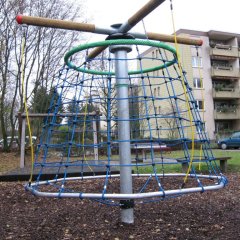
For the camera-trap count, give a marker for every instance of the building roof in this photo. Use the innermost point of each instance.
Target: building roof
(213, 34)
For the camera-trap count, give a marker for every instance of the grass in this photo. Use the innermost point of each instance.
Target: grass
(10, 161)
(233, 163)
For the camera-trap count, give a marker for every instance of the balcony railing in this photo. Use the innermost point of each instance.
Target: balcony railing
(222, 50)
(227, 112)
(224, 71)
(226, 92)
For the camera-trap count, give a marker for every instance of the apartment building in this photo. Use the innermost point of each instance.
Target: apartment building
(212, 71)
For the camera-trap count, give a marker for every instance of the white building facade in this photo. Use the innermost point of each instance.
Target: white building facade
(213, 73)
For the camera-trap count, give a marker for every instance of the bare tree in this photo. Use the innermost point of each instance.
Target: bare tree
(7, 89)
(170, 121)
(103, 89)
(43, 48)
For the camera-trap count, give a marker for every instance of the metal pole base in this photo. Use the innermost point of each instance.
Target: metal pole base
(127, 211)
(127, 216)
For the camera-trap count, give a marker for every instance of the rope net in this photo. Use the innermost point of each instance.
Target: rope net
(79, 144)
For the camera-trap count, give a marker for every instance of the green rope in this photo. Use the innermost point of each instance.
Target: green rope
(119, 42)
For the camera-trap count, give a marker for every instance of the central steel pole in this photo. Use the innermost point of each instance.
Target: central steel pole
(122, 85)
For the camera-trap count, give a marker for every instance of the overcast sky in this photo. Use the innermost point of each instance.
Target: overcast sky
(202, 15)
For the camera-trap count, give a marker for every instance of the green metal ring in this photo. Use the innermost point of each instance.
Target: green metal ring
(119, 42)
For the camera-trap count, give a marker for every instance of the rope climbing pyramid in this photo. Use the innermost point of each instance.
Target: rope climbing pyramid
(124, 122)
(157, 104)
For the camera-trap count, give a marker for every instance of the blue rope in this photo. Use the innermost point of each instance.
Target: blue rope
(148, 124)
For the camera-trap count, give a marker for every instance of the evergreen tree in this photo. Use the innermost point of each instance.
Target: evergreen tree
(44, 101)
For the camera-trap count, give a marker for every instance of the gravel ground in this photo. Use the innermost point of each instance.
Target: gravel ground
(208, 215)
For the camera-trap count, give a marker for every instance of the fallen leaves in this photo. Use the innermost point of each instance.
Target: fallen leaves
(195, 216)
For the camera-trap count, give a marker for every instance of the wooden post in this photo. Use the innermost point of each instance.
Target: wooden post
(22, 124)
(184, 167)
(23, 134)
(144, 155)
(95, 138)
(19, 116)
(223, 165)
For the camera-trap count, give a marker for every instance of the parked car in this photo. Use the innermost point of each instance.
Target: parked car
(231, 142)
(14, 144)
(27, 140)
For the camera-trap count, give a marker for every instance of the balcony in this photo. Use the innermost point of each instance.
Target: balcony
(226, 112)
(224, 72)
(221, 51)
(225, 92)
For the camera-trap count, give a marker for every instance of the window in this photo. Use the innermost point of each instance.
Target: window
(153, 55)
(155, 92)
(236, 135)
(158, 91)
(196, 61)
(197, 83)
(223, 126)
(200, 104)
(159, 110)
(200, 127)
